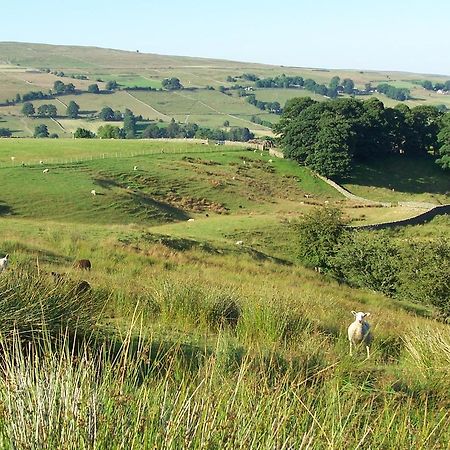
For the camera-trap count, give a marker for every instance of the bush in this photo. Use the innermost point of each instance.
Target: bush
(424, 275)
(319, 234)
(225, 311)
(368, 259)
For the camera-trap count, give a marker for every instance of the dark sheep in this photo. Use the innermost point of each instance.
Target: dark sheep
(82, 288)
(83, 264)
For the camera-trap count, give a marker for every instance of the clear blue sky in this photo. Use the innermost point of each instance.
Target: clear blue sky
(409, 35)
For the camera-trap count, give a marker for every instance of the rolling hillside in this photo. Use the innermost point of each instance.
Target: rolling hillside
(24, 67)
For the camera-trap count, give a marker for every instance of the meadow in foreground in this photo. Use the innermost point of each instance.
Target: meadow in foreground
(187, 340)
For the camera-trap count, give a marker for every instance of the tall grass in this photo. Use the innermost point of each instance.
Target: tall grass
(91, 400)
(187, 379)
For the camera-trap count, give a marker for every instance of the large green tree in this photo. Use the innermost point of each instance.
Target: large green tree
(331, 154)
(110, 132)
(73, 110)
(172, 84)
(106, 114)
(444, 143)
(5, 132)
(93, 89)
(28, 109)
(41, 131)
(82, 133)
(129, 124)
(47, 111)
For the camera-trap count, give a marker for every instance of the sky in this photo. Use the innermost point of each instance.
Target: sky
(406, 35)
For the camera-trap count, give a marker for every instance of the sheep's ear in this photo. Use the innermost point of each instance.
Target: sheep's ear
(366, 314)
(354, 313)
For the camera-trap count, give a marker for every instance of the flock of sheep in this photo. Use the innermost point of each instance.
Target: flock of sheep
(358, 331)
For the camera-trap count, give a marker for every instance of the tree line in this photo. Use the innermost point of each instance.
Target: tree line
(172, 130)
(330, 136)
(438, 86)
(335, 87)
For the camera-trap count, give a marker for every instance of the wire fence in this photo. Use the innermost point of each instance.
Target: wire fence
(15, 162)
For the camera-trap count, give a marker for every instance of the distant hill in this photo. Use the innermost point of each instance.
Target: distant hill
(210, 97)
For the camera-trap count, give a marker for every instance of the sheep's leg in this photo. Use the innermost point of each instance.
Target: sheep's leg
(350, 348)
(368, 351)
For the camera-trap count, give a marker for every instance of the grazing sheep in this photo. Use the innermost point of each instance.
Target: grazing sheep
(190, 220)
(83, 264)
(45, 171)
(4, 263)
(239, 242)
(93, 192)
(135, 168)
(270, 160)
(359, 332)
(41, 162)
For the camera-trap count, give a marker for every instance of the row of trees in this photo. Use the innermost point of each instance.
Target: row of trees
(273, 107)
(415, 271)
(50, 110)
(330, 136)
(60, 88)
(429, 86)
(172, 130)
(335, 87)
(390, 91)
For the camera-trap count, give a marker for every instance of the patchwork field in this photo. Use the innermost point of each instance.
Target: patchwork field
(20, 66)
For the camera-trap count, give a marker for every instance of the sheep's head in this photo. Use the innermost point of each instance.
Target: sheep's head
(360, 316)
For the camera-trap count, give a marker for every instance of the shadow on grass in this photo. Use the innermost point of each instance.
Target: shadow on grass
(5, 209)
(139, 203)
(413, 175)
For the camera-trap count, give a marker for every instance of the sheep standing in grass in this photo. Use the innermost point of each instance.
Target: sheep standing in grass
(359, 332)
(4, 263)
(83, 264)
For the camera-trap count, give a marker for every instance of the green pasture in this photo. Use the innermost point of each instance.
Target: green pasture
(126, 80)
(184, 180)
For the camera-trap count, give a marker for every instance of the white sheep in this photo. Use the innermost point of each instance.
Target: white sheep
(41, 162)
(135, 168)
(93, 192)
(359, 332)
(270, 160)
(190, 220)
(4, 263)
(45, 171)
(239, 242)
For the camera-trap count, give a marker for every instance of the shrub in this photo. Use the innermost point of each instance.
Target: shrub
(319, 234)
(424, 274)
(225, 311)
(366, 259)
